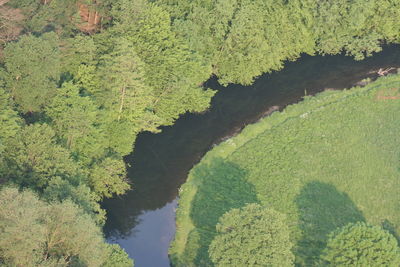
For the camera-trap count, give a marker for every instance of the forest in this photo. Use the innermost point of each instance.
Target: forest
(80, 79)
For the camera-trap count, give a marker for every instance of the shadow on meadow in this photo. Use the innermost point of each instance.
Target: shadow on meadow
(322, 209)
(391, 228)
(221, 186)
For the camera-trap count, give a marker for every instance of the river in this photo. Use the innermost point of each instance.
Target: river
(143, 220)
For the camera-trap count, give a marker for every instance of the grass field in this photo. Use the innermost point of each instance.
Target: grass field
(327, 161)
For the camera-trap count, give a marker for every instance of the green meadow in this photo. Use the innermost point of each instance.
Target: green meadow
(329, 160)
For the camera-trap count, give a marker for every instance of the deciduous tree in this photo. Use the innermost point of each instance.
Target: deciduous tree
(252, 236)
(108, 177)
(76, 119)
(117, 257)
(51, 234)
(32, 70)
(361, 244)
(33, 158)
(10, 122)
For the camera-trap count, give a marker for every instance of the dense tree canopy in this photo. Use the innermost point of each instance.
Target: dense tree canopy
(367, 24)
(76, 120)
(361, 244)
(242, 39)
(252, 236)
(33, 158)
(173, 70)
(50, 234)
(79, 80)
(32, 70)
(9, 119)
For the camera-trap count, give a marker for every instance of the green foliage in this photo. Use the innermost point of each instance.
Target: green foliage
(252, 236)
(108, 177)
(41, 234)
(218, 186)
(232, 36)
(117, 257)
(128, 99)
(41, 16)
(367, 23)
(32, 70)
(318, 218)
(86, 98)
(77, 52)
(87, 78)
(123, 71)
(171, 68)
(33, 158)
(71, 233)
(10, 122)
(27, 5)
(242, 39)
(61, 190)
(361, 244)
(325, 162)
(20, 225)
(75, 119)
(356, 38)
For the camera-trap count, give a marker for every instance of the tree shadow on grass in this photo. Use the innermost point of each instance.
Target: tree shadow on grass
(222, 186)
(390, 227)
(322, 209)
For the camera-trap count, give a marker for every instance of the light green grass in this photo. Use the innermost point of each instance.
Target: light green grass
(327, 161)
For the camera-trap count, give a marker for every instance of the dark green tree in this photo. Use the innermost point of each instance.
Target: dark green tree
(345, 25)
(77, 51)
(123, 73)
(79, 193)
(172, 70)
(76, 119)
(252, 236)
(247, 47)
(126, 97)
(242, 39)
(356, 27)
(361, 244)
(33, 158)
(32, 70)
(10, 122)
(108, 177)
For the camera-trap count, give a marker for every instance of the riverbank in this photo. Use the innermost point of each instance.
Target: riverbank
(162, 161)
(323, 162)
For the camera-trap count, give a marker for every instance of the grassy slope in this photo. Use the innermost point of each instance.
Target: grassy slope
(327, 161)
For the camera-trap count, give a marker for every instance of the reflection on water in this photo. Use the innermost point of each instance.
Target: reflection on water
(142, 221)
(159, 223)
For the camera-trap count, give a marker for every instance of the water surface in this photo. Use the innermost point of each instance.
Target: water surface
(142, 221)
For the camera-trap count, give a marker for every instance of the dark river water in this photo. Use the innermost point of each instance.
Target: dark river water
(143, 220)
